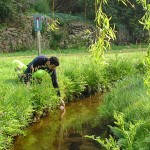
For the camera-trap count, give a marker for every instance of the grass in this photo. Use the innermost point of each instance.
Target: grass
(27, 101)
(33, 53)
(130, 101)
(129, 47)
(75, 74)
(77, 51)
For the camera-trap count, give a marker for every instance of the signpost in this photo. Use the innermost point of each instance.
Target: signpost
(38, 28)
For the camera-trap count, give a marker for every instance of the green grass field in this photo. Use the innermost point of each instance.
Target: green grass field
(76, 74)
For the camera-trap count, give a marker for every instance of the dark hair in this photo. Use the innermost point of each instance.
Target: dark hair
(54, 61)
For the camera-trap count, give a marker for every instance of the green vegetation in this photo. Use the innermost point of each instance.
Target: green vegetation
(77, 51)
(41, 6)
(126, 106)
(76, 77)
(66, 18)
(125, 19)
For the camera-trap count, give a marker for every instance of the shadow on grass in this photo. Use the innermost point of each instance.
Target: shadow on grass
(12, 81)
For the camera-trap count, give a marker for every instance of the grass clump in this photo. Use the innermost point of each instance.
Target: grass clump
(117, 68)
(130, 102)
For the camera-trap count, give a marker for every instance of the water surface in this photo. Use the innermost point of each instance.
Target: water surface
(53, 133)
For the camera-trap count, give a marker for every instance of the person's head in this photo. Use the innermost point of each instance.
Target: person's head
(52, 62)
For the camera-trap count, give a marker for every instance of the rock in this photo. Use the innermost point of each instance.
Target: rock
(72, 35)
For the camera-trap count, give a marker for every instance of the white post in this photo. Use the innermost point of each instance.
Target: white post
(39, 42)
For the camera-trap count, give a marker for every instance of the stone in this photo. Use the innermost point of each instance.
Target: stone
(72, 35)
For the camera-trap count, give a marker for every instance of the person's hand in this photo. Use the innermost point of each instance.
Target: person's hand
(62, 105)
(62, 108)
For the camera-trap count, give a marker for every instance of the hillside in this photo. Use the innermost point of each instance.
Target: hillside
(74, 18)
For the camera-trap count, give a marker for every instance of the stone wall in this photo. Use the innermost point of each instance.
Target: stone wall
(16, 37)
(82, 34)
(23, 37)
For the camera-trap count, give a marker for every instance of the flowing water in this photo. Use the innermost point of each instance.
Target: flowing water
(66, 131)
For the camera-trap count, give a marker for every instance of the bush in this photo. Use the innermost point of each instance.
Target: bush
(116, 69)
(64, 19)
(8, 8)
(130, 99)
(42, 6)
(11, 9)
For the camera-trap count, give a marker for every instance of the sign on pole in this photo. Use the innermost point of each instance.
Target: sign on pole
(38, 28)
(37, 22)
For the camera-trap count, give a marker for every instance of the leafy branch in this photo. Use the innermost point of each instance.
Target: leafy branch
(145, 21)
(109, 144)
(104, 36)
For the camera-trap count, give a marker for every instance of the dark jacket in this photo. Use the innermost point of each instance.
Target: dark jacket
(40, 63)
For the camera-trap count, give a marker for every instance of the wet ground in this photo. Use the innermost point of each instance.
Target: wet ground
(67, 131)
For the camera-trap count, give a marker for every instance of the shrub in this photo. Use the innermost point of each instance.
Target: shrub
(130, 99)
(42, 6)
(116, 69)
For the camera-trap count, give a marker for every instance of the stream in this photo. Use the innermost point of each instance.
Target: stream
(53, 133)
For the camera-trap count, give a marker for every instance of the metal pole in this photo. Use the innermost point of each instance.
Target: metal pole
(39, 42)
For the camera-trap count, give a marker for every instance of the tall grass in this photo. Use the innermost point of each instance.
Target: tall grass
(130, 98)
(76, 76)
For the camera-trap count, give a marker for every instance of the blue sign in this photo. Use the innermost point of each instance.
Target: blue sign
(37, 22)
